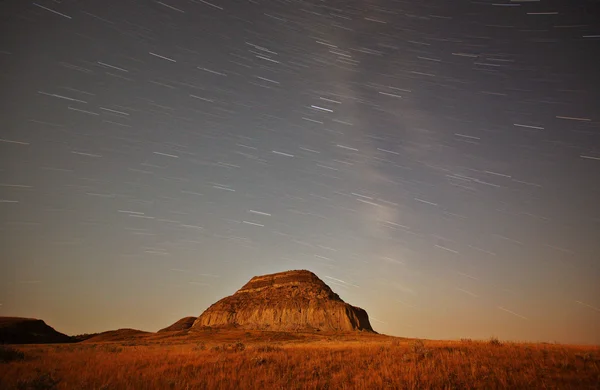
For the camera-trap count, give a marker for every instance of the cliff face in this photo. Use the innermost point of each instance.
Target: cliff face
(285, 301)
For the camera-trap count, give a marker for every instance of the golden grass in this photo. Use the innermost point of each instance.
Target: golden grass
(248, 360)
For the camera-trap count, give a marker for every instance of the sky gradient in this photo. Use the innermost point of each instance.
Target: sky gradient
(436, 163)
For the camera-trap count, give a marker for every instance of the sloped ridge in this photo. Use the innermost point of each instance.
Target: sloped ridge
(183, 324)
(125, 334)
(17, 330)
(285, 301)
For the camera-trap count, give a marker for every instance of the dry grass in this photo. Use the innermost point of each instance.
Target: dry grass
(247, 360)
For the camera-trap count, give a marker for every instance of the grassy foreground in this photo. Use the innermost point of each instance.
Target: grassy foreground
(274, 361)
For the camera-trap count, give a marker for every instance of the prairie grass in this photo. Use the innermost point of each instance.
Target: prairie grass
(333, 362)
(8, 354)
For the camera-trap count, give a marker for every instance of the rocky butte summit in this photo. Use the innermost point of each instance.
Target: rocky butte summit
(285, 301)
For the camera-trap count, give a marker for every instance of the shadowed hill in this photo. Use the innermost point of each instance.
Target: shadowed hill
(285, 301)
(183, 324)
(117, 335)
(16, 330)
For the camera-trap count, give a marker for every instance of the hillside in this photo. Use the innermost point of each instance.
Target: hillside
(17, 330)
(183, 324)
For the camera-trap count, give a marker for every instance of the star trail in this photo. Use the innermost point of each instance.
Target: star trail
(437, 162)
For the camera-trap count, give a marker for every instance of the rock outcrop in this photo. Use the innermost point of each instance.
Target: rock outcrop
(285, 301)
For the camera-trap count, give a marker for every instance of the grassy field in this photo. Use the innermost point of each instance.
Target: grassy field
(248, 360)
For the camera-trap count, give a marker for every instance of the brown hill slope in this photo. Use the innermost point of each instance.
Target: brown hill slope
(183, 324)
(285, 301)
(125, 334)
(17, 330)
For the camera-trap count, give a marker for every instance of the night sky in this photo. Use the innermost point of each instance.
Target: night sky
(434, 162)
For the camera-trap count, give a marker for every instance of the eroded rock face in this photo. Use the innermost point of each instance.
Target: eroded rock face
(285, 301)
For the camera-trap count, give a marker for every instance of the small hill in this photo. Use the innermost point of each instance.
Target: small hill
(17, 330)
(117, 335)
(183, 324)
(84, 336)
(285, 301)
